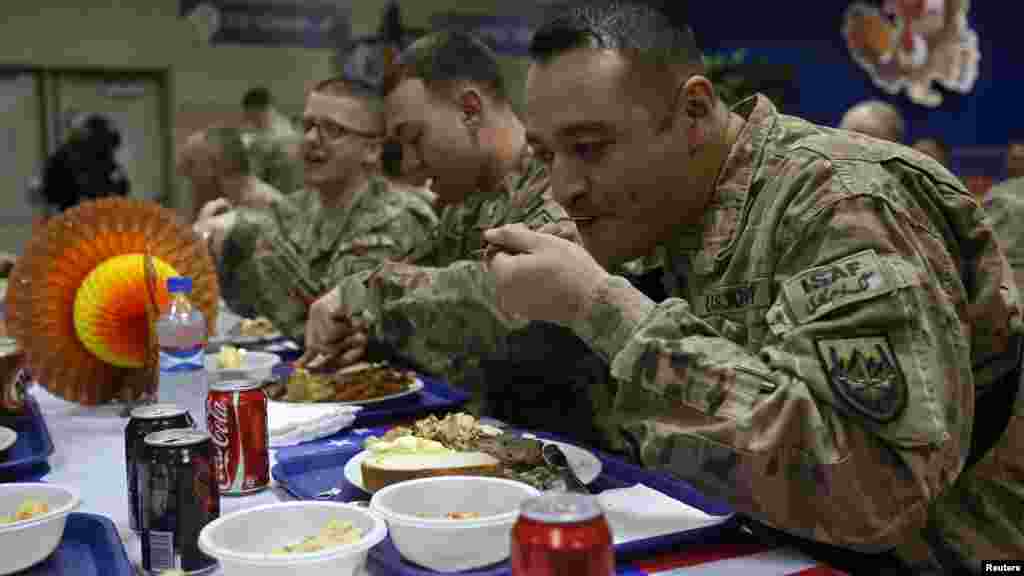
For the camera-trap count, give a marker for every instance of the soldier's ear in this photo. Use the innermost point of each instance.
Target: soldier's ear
(697, 99)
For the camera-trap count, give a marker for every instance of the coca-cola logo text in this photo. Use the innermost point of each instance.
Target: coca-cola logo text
(219, 425)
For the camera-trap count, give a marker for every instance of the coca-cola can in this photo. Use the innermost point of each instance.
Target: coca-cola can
(144, 421)
(561, 533)
(179, 497)
(14, 378)
(236, 412)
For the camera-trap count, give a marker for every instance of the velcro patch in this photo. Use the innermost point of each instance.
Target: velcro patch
(818, 291)
(865, 374)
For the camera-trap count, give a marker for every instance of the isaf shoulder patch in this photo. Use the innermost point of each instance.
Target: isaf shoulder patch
(865, 374)
(820, 290)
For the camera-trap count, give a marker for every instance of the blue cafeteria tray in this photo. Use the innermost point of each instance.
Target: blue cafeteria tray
(436, 396)
(26, 460)
(307, 474)
(91, 546)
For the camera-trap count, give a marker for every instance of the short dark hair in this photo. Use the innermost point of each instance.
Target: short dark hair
(257, 98)
(646, 32)
(231, 149)
(345, 85)
(444, 58)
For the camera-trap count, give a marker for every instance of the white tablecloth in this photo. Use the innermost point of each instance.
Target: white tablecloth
(89, 455)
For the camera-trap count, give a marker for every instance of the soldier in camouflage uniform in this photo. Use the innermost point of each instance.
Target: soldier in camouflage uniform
(836, 299)
(271, 141)
(219, 174)
(448, 108)
(276, 262)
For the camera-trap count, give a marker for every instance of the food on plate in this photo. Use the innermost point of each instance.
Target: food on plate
(172, 573)
(230, 358)
(390, 468)
(29, 509)
(256, 328)
(335, 533)
(404, 445)
(511, 457)
(359, 382)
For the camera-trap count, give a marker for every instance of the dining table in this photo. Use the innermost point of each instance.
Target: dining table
(89, 456)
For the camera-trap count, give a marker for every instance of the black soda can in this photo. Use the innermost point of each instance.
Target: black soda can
(179, 497)
(144, 421)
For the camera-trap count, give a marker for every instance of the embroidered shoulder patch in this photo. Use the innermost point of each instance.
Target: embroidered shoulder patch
(818, 291)
(865, 374)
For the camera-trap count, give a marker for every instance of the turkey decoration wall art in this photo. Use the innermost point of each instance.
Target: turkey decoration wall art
(911, 44)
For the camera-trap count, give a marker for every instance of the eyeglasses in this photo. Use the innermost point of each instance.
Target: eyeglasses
(333, 131)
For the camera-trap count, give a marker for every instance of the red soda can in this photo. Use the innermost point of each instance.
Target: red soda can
(236, 414)
(560, 533)
(14, 378)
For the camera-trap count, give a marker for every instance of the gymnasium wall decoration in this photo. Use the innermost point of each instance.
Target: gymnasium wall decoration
(912, 45)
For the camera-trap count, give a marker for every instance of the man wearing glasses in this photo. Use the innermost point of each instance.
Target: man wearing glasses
(276, 262)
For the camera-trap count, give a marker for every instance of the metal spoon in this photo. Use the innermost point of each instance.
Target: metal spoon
(555, 457)
(330, 493)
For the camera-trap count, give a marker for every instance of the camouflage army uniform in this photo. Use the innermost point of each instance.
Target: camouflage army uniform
(814, 368)
(276, 262)
(271, 160)
(438, 310)
(982, 517)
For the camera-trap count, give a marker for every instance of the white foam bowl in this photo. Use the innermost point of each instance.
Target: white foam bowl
(256, 365)
(445, 545)
(243, 541)
(29, 542)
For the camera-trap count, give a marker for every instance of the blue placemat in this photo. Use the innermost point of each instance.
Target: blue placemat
(436, 397)
(26, 460)
(90, 547)
(305, 473)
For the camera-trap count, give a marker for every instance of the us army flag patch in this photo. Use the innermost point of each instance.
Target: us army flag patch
(865, 374)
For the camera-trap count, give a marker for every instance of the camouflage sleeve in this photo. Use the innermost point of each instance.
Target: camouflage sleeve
(273, 277)
(440, 319)
(850, 417)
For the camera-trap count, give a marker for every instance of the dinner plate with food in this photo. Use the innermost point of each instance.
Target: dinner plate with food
(7, 438)
(460, 445)
(249, 331)
(360, 384)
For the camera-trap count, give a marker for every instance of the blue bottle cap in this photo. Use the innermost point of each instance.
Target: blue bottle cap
(179, 284)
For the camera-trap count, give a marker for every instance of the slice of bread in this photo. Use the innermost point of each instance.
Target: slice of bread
(381, 471)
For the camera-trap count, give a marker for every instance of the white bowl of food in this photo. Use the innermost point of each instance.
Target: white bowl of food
(297, 538)
(32, 520)
(452, 523)
(232, 363)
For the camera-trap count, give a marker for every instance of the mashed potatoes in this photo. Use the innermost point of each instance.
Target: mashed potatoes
(230, 358)
(336, 533)
(28, 509)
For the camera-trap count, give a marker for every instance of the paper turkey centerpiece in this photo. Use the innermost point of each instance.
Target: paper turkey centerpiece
(77, 299)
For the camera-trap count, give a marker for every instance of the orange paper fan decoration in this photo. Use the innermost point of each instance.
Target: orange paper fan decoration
(101, 241)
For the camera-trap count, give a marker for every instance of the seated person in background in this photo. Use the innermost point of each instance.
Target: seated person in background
(840, 306)
(276, 262)
(1015, 159)
(219, 173)
(876, 119)
(85, 166)
(272, 142)
(935, 148)
(1004, 204)
(449, 109)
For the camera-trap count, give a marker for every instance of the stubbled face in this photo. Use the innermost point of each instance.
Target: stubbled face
(607, 158)
(338, 139)
(436, 143)
(1015, 160)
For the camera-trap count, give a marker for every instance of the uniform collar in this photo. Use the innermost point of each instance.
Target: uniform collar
(707, 241)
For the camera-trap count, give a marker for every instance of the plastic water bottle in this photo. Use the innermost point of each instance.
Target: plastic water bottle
(181, 334)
